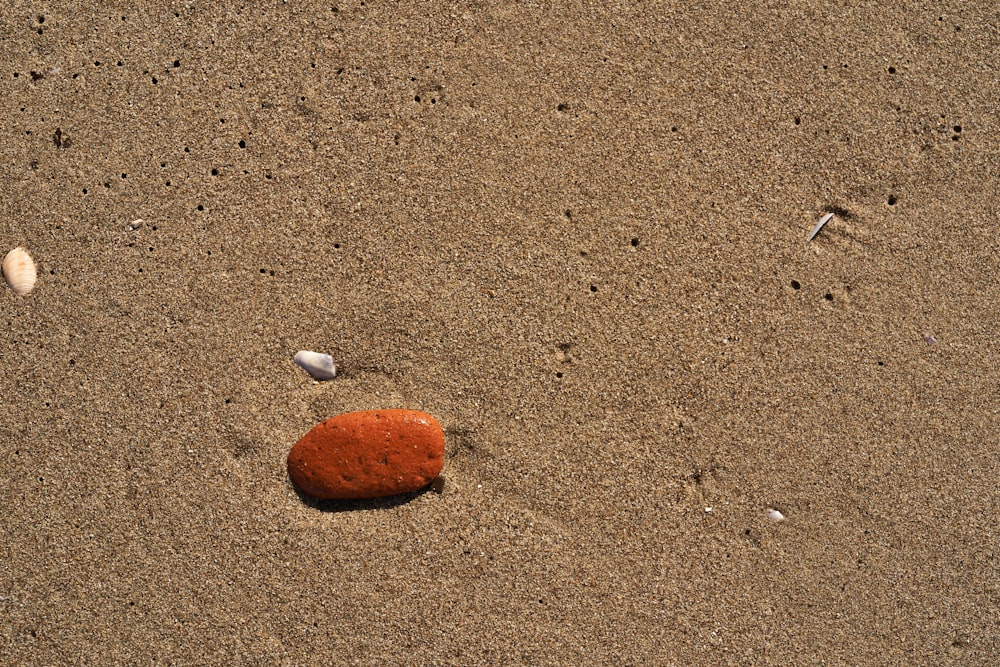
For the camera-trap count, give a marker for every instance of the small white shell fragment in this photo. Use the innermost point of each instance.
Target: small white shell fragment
(318, 365)
(19, 271)
(775, 515)
(135, 224)
(819, 225)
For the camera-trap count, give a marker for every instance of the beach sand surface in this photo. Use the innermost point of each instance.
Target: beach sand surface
(575, 233)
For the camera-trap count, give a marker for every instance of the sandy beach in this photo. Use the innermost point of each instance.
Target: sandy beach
(576, 234)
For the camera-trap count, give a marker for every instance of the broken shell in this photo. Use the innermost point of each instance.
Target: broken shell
(320, 366)
(775, 515)
(19, 271)
(819, 225)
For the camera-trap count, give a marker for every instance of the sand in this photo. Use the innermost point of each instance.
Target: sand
(573, 232)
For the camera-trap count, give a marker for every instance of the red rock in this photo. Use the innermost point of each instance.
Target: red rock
(368, 455)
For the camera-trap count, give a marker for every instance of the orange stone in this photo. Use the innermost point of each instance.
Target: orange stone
(368, 455)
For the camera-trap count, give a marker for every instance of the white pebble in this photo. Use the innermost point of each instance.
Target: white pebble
(318, 365)
(775, 515)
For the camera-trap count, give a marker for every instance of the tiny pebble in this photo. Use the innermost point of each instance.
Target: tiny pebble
(775, 515)
(135, 224)
(437, 486)
(368, 455)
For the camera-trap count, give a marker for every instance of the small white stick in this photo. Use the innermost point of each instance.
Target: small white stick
(819, 225)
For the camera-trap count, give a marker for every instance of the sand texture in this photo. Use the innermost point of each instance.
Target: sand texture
(575, 233)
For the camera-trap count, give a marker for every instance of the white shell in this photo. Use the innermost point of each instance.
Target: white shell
(19, 271)
(320, 366)
(775, 515)
(819, 225)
